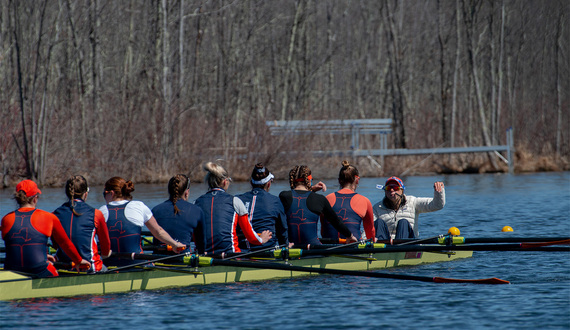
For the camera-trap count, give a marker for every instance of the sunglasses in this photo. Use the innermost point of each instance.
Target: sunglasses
(392, 187)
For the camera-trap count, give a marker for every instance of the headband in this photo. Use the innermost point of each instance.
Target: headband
(264, 180)
(310, 177)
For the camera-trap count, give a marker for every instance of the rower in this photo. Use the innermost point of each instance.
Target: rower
(26, 232)
(183, 221)
(126, 218)
(265, 210)
(354, 209)
(303, 208)
(396, 216)
(83, 223)
(224, 213)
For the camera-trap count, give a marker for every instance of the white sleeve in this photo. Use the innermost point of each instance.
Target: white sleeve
(138, 213)
(105, 212)
(426, 204)
(239, 207)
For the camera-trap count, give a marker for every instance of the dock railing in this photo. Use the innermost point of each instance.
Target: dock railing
(354, 127)
(382, 127)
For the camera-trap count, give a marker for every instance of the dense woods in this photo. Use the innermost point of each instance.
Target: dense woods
(145, 89)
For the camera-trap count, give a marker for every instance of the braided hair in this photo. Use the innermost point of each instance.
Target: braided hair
(177, 186)
(300, 174)
(75, 187)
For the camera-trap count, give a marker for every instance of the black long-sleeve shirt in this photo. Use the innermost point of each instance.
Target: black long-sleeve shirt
(317, 204)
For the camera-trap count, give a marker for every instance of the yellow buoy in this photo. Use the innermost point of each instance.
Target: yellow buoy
(507, 228)
(454, 231)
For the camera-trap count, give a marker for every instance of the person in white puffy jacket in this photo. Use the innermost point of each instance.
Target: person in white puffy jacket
(396, 216)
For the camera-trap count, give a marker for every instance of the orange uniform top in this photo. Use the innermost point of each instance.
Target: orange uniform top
(47, 224)
(361, 206)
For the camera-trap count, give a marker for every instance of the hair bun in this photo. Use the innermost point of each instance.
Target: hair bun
(345, 163)
(129, 187)
(259, 168)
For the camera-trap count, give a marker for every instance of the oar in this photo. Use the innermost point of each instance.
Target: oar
(140, 255)
(152, 258)
(474, 240)
(143, 256)
(533, 245)
(423, 240)
(433, 248)
(288, 267)
(252, 253)
(349, 244)
(177, 270)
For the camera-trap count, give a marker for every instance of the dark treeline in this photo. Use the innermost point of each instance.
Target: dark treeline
(148, 88)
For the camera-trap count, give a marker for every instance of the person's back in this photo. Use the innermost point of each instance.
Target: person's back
(125, 234)
(342, 205)
(25, 232)
(186, 225)
(221, 222)
(81, 227)
(266, 213)
(224, 213)
(26, 240)
(354, 209)
(303, 208)
(302, 221)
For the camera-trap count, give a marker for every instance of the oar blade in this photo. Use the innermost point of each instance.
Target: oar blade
(541, 244)
(492, 280)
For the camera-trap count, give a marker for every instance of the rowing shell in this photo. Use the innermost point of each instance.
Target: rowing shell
(16, 286)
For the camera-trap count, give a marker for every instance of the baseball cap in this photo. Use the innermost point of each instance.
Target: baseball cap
(29, 187)
(393, 180)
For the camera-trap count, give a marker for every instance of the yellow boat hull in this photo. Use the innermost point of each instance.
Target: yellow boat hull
(15, 286)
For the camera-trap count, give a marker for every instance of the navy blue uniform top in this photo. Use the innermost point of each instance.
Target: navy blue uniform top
(26, 247)
(349, 217)
(82, 230)
(266, 213)
(303, 209)
(125, 236)
(223, 212)
(185, 227)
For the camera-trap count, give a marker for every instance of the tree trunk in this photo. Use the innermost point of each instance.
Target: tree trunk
(455, 72)
(559, 59)
(94, 38)
(471, 51)
(393, 50)
(82, 84)
(500, 71)
(289, 65)
(26, 152)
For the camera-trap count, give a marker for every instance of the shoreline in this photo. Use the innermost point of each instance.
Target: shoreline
(328, 169)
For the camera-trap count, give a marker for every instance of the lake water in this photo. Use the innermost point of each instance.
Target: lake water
(479, 205)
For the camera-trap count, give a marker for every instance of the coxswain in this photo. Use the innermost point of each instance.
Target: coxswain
(396, 216)
(265, 210)
(125, 220)
(304, 207)
(183, 221)
(84, 225)
(26, 232)
(354, 209)
(224, 213)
